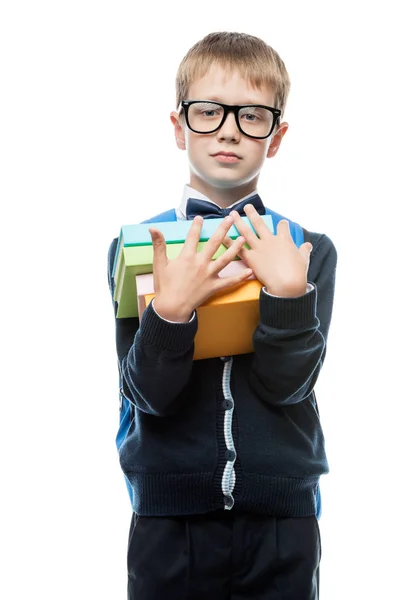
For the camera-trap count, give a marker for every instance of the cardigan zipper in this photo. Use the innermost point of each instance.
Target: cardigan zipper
(229, 475)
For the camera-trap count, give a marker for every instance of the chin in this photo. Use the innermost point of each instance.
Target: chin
(230, 181)
(224, 177)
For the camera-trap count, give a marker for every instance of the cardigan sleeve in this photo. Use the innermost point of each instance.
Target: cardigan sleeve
(155, 357)
(290, 340)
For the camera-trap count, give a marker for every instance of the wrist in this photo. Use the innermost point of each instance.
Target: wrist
(171, 312)
(286, 292)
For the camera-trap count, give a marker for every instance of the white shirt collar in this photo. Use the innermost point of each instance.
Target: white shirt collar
(189, 192)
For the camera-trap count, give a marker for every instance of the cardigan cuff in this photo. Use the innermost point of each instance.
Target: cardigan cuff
(165, 335)
(288, 313)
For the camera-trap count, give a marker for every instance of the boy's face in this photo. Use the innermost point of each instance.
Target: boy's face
(210, 173)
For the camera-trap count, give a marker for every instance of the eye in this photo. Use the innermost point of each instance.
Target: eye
(250, 113)
(255, 114)
(207, 110)
(250, 116)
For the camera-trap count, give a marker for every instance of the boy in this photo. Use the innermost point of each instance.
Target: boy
(223, 456)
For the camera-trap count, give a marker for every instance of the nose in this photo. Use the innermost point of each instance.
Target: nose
(229, 130)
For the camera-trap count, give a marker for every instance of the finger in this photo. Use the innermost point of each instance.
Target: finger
(227, 241)
(261, 228)
(193, 236)
(228, 282)
(160, 258)
(244, 230)
(242, 253)
(283, 229)
(305, 251)
(236, 249)
(217, 238)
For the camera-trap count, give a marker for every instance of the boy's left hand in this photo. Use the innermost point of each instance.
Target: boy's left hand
(276, 261)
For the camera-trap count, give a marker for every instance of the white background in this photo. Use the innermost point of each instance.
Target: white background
(86, 146)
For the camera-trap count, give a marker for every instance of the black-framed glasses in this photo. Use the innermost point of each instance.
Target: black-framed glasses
(255, 120)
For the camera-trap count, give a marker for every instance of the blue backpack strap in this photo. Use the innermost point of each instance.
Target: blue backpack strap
(318, 503)
(125, 420)
(168, 215)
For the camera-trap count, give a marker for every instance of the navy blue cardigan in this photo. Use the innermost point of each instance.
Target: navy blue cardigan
(237, 432)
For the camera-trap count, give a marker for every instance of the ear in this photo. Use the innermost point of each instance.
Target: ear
(177, 122)
(277, 139)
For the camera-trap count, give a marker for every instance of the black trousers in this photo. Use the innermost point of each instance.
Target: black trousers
(224, 555)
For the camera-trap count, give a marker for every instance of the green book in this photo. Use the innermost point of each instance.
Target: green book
(138, 260)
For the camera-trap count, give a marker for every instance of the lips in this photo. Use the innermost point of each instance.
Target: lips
(226, 154)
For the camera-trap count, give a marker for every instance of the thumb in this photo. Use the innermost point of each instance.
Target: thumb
(305, 251)
(159, 248)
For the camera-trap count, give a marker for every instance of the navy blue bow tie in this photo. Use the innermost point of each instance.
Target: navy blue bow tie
(207, 210)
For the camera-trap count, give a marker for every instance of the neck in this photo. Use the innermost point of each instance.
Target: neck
(223, 197)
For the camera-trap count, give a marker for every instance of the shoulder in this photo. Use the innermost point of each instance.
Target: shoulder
(323, 259)
(322, 244)
(113, 245)
(110, 263)
(111, 250)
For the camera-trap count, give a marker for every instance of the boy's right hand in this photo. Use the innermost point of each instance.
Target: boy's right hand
(183, 284)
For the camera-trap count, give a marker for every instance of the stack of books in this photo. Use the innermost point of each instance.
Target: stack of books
(226, 321)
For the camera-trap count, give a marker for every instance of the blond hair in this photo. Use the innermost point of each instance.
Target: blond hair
(252, 57)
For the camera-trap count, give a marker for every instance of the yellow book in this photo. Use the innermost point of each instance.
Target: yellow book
(227, 321)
